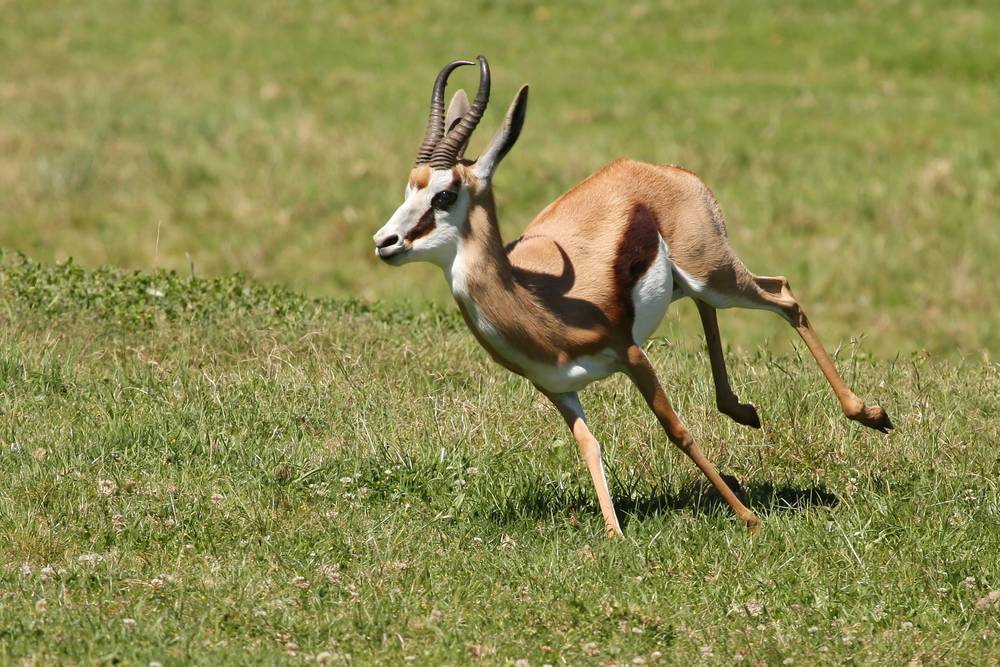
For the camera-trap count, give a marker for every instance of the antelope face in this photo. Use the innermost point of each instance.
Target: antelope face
(430, 222)
(434, 215)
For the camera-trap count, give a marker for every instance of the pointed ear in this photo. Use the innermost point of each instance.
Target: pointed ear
(505, 137)
(456, 109)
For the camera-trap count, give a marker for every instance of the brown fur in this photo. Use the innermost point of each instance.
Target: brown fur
(550, 296)
(420, 176)
(532, 296)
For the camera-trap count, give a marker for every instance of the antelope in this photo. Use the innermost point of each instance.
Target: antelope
(575, 297)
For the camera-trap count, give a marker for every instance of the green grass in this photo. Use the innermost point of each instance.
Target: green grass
(219, 472)
(314, 461)
(852, 145)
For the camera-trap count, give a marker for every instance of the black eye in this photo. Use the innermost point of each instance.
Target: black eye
(444, 199)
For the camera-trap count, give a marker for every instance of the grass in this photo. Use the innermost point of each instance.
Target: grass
(215, 471)
(314, 462)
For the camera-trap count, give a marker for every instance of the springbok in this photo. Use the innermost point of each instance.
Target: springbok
(575, 297)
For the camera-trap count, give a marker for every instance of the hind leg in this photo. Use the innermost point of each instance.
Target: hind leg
(642, 374)
(774, 293)
(726, 400)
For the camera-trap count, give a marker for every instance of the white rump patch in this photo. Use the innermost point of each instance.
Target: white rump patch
(651, 295)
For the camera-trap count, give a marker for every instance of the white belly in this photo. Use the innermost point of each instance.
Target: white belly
(576, 374)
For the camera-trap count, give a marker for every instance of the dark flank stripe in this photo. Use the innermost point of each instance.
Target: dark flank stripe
(636, 252)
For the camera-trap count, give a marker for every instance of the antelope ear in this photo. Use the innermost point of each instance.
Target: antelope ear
(457, 108)
(504, 139)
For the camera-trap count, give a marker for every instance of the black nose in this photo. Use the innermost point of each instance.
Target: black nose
(392, 240)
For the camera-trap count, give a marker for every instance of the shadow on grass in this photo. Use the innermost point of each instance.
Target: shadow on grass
(539, 499)
(701, 498)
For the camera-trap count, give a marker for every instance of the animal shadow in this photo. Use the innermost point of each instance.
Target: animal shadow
(701, 498)
(539, 498)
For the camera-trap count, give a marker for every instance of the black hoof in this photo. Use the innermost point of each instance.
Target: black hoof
(876, 418)
(746, 415)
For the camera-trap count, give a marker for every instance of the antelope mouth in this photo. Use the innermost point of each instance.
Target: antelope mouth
(391, 252)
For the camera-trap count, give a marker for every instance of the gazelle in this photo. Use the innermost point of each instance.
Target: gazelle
(575, 297)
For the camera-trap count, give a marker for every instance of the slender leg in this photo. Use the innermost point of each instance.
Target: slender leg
(727, 401)
(571, 410)
(776, 292)
(644, 377)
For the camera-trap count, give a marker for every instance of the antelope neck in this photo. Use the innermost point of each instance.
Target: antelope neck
(496, 307)
(480, 267)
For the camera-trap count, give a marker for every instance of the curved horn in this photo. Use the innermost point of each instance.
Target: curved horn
(435, 124)
(446, 153)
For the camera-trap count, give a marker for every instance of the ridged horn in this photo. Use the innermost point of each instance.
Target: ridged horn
(445, 155)
(435, 124)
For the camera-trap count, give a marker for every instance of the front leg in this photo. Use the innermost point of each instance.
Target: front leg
(569, 407)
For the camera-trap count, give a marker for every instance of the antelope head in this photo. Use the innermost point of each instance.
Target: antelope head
(443, 186)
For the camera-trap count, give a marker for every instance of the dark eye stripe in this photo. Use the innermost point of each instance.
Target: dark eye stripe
(423, 227)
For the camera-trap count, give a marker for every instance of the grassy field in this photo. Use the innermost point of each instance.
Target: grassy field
(214, 471)
(314, 462)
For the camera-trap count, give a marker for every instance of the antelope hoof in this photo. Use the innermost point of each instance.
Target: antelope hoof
(743, 413)
(874, 417)
(753, 525)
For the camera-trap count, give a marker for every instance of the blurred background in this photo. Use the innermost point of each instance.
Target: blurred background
(853, 146)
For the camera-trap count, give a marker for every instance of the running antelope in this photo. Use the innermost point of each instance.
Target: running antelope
(576, 296)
